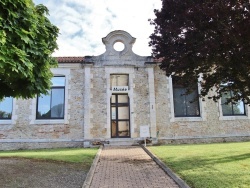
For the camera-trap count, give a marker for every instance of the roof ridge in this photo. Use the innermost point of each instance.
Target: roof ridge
(70, 59)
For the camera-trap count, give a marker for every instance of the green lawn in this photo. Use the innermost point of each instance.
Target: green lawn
(74, 155)
(224, 165)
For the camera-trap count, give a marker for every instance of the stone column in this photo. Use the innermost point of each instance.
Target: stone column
(151, 88)
(87, 105)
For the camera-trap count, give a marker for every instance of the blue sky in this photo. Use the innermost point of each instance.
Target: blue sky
(83, 23)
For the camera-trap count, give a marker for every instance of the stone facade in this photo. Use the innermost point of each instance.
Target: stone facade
(88, 110)
(98, 104)
(24, 131)
(211, 126)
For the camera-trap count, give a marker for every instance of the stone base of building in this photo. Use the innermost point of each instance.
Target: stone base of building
(206, 140)
(39, 145)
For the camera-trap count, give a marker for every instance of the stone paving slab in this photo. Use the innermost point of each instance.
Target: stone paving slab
(128, 166)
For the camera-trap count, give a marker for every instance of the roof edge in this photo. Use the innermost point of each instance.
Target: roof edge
(73, 59)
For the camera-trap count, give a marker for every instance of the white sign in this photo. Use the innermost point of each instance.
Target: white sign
(144, 131)
(120, 89)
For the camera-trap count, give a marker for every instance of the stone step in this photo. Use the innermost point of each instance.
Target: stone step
(122, 142)
(114, 142)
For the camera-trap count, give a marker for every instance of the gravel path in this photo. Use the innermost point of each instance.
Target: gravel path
(26, 173)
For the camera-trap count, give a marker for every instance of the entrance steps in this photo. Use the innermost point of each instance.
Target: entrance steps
(122, 142)
(113, 142)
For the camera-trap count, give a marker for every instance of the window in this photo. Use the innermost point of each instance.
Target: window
(232, 109)
(185, 105)
(118, 80)
(51, 106)
(6, 108)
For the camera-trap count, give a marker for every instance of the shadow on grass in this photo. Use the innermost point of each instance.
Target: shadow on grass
(209, 172)
(216, 180)
(65, 155)
(197, 162)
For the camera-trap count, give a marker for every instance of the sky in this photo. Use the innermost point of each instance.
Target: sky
(83, 23)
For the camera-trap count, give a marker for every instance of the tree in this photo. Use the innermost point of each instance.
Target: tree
(207, 39)
(4, 114)
(27, 40)
(230, 109)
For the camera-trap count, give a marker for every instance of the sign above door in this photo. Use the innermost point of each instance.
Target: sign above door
(120, 89)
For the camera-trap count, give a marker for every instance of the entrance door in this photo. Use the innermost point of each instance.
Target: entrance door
(120, 119)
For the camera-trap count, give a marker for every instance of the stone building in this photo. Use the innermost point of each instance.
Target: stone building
(108, 98)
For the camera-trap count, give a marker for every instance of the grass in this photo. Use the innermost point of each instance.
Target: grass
(72, 155)
(225, 165)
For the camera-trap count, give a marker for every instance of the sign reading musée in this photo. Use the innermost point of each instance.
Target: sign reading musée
(120, 89)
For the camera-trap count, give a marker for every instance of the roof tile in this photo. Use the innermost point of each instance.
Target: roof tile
(78, 59)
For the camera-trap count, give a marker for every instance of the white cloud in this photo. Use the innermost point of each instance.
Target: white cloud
(83, 23)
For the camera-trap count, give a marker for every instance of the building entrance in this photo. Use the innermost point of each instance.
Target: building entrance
(120, 118)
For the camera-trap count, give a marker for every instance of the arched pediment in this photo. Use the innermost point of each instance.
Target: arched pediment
(114, 57)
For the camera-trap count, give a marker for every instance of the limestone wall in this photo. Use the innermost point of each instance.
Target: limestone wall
(76, 104)
(208, 128)
(24, 128)
(98, 104)
(141, 99)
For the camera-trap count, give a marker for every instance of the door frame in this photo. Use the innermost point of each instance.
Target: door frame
(117, 105)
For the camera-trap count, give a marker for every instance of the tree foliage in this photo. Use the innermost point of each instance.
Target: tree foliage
(207, 39)
(27, 40)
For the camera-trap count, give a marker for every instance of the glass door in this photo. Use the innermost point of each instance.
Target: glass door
(120, 119)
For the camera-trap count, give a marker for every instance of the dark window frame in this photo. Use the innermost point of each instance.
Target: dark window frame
(174, 85)
(11, 113)
(232, 108)
(53, 87)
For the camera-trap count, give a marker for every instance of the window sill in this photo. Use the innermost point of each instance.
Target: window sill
(5, 122)
(49, 121)
(228, 118)
(174, 119)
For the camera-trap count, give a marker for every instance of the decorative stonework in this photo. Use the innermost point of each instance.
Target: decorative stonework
(126, 57)
(118, 36)
(119, 62)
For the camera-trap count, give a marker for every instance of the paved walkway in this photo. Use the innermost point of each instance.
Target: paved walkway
(125, 166)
